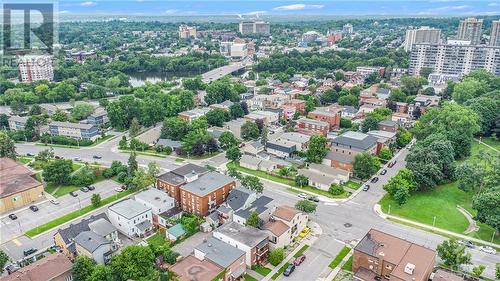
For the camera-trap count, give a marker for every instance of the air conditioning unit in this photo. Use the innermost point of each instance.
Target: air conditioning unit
(409, 268)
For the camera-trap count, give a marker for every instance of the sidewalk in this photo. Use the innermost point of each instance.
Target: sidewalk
(336, 270)
(385, 216)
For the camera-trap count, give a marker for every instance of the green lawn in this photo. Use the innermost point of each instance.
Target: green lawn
(65, 189)
(73, 215)
(158, 239)
(280, 271)
(249, 278)
(146, 153)
(24, 159)
(340, 256)
(285, 181)
(301, 251)
(492, 142)
(348, 264)
(353, 184)
(101, 140)
(262, 270)
(179, 160)
(441, 203)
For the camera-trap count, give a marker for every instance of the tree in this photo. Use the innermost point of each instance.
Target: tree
(217, 117)
(370, 123)
(425, 72)
(301, 180)
(487, 110)
(82, 111)
(400, 186)
(4, 121)
(123, 143)
(58, 171)
(276, 256)
(82, 268)
(84, 176)
(141, 179)
(385, 154)
(397, 95)
(133, 263)
(221, 90)
(174, 128)
(60, 116)
(7, 147)
(244, 106)
(403, 137)
(306, 206)
(336, 189)
(365, 165)
(153, 169)
(35, 110)
(252, 183)
(263, 138)
(96, 200)
(453, 254)
(468, 89)
(236, 111)
(317, 149)
(249, 131)
(348, 100)
(330, 96)
(477, 271)
(198, 149)
(101, 273)
(497, 270)
(45, 155)
(189, 222)
(227, 140)
(487, 204)
(411, 84)
(132, 164)
(4, 258)
(134, 128)
(233, 154)
(253, 220)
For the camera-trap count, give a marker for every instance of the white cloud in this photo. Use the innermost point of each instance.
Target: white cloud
(254, 13)
(88, 4)
(298, 7)
(64, 12)
(493, 4)
(446, 9)
(171, 12)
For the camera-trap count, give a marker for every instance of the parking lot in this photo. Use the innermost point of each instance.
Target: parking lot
(48, 211)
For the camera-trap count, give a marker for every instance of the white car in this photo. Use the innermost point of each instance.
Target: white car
(118, 189)
(77, 159)
(303, 195)
(54, 201)
(488, 249)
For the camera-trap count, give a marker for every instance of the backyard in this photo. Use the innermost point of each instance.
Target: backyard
(438, 207)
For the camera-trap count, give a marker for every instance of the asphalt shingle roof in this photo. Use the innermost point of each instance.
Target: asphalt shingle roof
(219, 252)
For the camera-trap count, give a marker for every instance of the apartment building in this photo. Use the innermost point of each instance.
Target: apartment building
(346, 146)
(330, 115)
(17, 122)
(131, 217)
(186, 32)
(312, 126)
(35, 68)
(365, 71)
(160, 203)
(193, 114)
(254, 27)
(347, 29)
(99, 117)
(381, 255)
(268, 117)
(454, 59)
(173, 180)
(470, 29)
(495, 33)
(423, 34)
(74, 130)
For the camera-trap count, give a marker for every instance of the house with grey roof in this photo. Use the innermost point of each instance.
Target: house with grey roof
(281, 148)
(80, 131)
(17, 122)
(159, 201)
(94, 246)
(252, 241)
(131, 217)
(232, 259)
(323, 176)
(168, 143)
(217, 162)
(346, 146)
(301, 141)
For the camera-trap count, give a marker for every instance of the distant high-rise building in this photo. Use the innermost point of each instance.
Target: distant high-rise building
(424, 34)
(495, 33)
(454, 59)
(347, 29)
(186, 32)
(470, 29)
(35, 68)
(254, 27)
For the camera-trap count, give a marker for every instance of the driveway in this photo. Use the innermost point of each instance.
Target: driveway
(27, 219)
(187, 246)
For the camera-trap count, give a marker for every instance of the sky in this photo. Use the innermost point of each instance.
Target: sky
(279, 7)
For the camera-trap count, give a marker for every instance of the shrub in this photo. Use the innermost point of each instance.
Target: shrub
(336, 189)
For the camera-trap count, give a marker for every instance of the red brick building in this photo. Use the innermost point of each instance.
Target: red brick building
(312, 126)
(173, 180)
(330, 115)
(300, 105)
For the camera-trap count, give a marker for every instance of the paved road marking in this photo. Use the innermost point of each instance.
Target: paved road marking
(17, 242)
(331, 204)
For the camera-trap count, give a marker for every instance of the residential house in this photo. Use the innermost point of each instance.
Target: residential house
(299, 105)
(421, 103)
(173, 180)
(381, 255)
(284, 225)
(175, 232)
(388, 126)
(168, 143)
(311, 126)
(217, 162)
(77, 131)
(235, 126)
(260, 102)
(346, 146)
(193, 114)
(18, 185)
(131, 217)
(227, 257)
(383, 93)
(268, 117)
(365, 71)
(301, 141)
(94, 246)
(281, 148)
(330, 115)
(225, 105)
(443, 275)
(64, 238)
(375, 102)
(252, 241)
(55, 267)
(17, 122)
(323, 176)
(289, 111)
(205, 194)
(159, 201)
(403, 119)
(253, 148)
(349, 112)
(49, 109)
(261, 206)
(383, 137)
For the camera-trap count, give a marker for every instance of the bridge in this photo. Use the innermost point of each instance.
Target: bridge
(220, 72)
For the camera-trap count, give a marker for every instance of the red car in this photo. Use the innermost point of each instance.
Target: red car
(299, 260)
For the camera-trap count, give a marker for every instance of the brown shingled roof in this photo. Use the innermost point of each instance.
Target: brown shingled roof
(286, 212)
(15, 178)
(276, 227)
(45, 269)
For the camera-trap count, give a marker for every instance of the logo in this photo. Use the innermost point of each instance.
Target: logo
(28, 28)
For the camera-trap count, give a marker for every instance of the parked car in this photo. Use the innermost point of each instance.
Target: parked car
(366, 187)
(303, 195)
(118, 189)
(314, 198)
(97, 157)
(54, 201)
(466, 243)
(91, 187)
(11, 268)
(13, 217)
(304, 232)
(34, 208)
(84, 189)
(392, 164)
(74, 194)
(374, 180)
(289, 270)
(488, 249)
(384, 171)
(77, 159)
(300, 259)
(30, 154)
(58, 157)
(30, 251)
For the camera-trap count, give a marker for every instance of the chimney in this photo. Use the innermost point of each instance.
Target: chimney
(409, 268)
